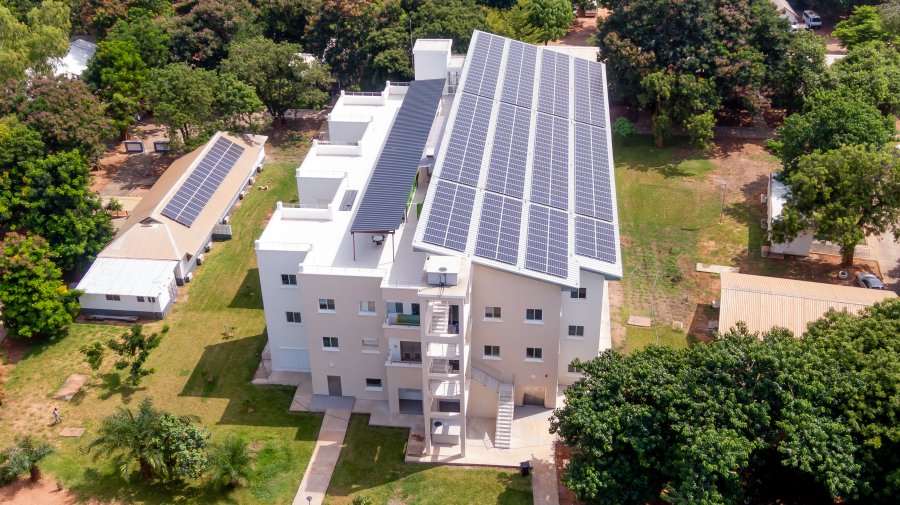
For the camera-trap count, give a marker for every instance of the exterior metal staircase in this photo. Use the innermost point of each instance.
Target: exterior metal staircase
(505, 406)
(440, 318)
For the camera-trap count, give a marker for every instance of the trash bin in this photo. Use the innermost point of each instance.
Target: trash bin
(525, 468)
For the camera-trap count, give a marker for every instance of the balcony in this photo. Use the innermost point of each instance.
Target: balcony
(403, 363)
(444, 408)
(440, 366)
(444, 388)
(402, 320)
(442, 350)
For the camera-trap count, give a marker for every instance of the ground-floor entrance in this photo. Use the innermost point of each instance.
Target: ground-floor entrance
(534, 396)
(410, 400)
(334, 385)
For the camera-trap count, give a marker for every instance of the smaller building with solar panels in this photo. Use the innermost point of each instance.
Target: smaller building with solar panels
(450, 251)
(170, 231)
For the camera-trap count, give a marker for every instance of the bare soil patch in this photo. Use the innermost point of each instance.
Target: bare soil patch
(44, 492)
(580, 32)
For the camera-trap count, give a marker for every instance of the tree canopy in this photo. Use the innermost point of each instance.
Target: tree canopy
(803, 70)
(201, 36)
(551, 18)
(746, 419)
(872, 70)
(35, 301)
(864, 25)
(44, 34)
(449, 19)
(844, 194)
(116, 73)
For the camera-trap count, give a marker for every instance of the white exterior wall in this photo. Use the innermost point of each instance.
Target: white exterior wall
(777, 195)
(590, 312)
(98, 302)
(351, 362)
(287, 341)
(430, 60)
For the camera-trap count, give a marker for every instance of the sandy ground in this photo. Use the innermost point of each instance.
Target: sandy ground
(582, 29)
(44, 492)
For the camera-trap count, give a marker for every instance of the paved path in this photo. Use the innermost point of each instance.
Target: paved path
(887, 252)
(543, 482)
(324, 457)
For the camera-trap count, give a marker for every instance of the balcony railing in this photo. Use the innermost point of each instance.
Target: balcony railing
(395, 319)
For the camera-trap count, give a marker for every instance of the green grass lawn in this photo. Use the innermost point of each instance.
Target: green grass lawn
(198, 370)
(372, 465)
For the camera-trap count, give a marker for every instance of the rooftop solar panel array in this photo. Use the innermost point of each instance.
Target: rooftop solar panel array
(193, 195)
(524, 218)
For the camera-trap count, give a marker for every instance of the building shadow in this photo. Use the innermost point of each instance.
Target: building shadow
(248, 294)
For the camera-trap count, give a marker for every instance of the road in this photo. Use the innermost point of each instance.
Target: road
(887, 252)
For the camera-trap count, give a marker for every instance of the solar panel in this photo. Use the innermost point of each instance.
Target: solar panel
(593, 190)
(548, 241)
(553, 91)
(498, 233)
(518, 82)
(462, 161)
(595, 239)
(451, 213)
(589, 93)
(550, 170)
(196, 191)
(506, 172)
(484, 67)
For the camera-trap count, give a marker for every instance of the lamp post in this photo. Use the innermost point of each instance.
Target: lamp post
(309, 500)
(724, 184)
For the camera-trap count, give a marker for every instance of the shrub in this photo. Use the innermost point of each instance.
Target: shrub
(623, 129)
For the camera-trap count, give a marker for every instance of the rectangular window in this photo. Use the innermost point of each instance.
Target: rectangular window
(330, 342)
(293, 317)
(411, 351)
(151, 299)
(534, 315)
(576, 330)
(395, 307)
(370, 344)
(326, 304)
(289, 279)
(140, 299)
(534, 353)
(114, 298)
(492, 351)
(373, 384)
(492, 312)
(579, 293)
(415, 309)
(574, 369)
(367, 306)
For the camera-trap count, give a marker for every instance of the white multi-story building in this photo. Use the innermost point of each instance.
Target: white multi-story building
(452, 241)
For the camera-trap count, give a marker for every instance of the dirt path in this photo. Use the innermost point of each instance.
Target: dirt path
(44, 492)
(582, 29)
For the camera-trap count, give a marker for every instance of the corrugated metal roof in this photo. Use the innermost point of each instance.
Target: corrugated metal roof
(128, 277)
(765, 302)
(385, 197)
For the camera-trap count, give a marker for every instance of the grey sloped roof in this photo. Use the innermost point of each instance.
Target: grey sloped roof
(382, 206)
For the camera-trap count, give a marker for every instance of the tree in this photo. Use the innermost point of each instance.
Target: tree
(31, 45)
(745, 419)
(35, 301)
(229, 462)
(844, 194)
(133, 348)
(286, 20)
(64, 111)
(282, 79)
(183, 98)
(201, 37)
(677, 99)
(23, 457)
(116, 73)
(236, 103)
(890, 16)
(623, 129)
(514, 23)
(163, 445)
(19, 146)
(804, 70)
(144, 33)
(552, 18)
(700, 128)
(864, 25)
(873, 70)
(57, 204)
(738, 46)
(448, 19)
(829, 120)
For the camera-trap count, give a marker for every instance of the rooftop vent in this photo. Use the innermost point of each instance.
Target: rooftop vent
(442, 270)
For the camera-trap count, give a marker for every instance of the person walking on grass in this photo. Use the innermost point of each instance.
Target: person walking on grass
(56, 418)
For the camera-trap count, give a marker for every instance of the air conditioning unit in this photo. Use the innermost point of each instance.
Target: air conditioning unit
(225, 219)
(208, 247)
(241, 195)
(188, 277)
(200, 258)
(259, 169)
(250, 181)
(442, 270)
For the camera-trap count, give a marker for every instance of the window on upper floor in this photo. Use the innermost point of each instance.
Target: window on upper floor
(373, 384)
(534, 315)
(492, 312)
(535, 353)
(292, 317)
(576, 330)
(578, 293)
(366, 306)
(330, 343)
(289, 279)
(395, 307)
(326, 304)
(370, 344)
(575, 369)
(492, 351)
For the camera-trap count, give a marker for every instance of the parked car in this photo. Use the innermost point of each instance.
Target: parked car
(798, 27)
(869, 281)
(811, 19)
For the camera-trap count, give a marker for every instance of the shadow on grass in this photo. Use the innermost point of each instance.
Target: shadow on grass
(111, 487)
(516, 489)
(248, 295)
(111, 384)
(225, 370)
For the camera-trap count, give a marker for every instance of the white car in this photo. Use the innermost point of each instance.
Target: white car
(811, 19)
(798, 27)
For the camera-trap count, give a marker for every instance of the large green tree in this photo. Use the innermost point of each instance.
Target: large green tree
(514, 23)
(872, 70)
(803, 71)
(143, 31)
(449, 19)
(745, 419)
(829, 120)
(338, 32)
(164, 445)
(552, 18)
(57, 204)
(864, 25)
(201, 37)
(35, 301)
(116, 73)
(844, 195)
(30, 44)
(19, 146)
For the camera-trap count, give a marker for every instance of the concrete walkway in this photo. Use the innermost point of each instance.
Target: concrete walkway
(324, 457)
(543, 482)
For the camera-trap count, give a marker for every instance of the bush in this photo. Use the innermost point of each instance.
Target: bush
(229, 462)
(700, 129)
(22, 458)
(623, 129)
